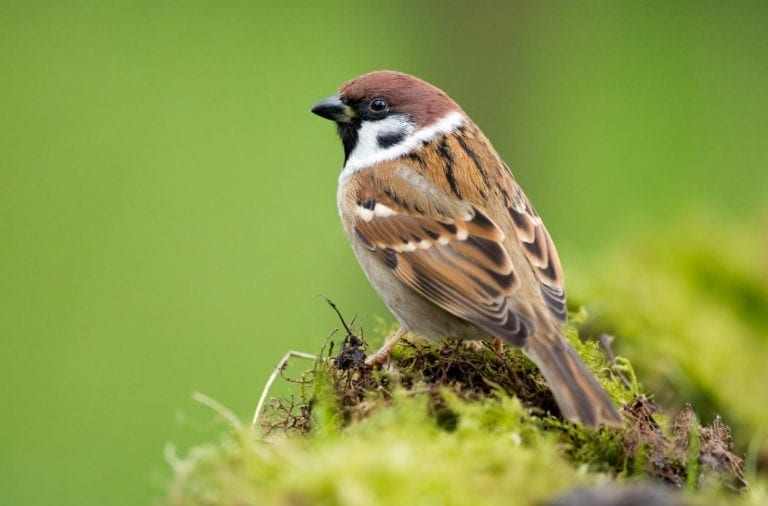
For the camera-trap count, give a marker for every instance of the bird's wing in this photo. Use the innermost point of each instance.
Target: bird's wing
(446, 249)
(539, 250)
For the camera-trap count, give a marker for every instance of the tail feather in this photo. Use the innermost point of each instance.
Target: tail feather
(577, 392)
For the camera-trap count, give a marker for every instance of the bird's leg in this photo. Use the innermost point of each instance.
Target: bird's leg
(382, 356)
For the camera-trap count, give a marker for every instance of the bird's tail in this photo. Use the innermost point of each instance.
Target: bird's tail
(577, 392)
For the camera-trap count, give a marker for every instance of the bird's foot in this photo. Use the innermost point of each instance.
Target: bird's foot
(381, 357)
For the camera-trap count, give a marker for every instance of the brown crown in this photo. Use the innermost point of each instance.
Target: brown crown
(405, 94)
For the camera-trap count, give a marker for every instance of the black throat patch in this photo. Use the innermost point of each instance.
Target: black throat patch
(349, 135)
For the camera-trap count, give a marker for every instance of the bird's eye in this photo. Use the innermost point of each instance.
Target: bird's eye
(379, 105)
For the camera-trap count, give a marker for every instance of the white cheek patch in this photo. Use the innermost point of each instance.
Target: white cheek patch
(368, 145)
(369, 150)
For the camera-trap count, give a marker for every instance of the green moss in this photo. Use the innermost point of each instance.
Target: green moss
(690, 308)
(435, 430)
(397, 455)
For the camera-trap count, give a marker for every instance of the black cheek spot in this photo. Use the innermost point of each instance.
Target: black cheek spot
(389, 139)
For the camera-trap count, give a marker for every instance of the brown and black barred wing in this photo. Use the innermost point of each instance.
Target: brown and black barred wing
(468, 157)
(540, 252)
(457, 262)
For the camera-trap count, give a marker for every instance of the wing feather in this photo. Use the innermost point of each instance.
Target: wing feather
(540, 252)
(459, 263)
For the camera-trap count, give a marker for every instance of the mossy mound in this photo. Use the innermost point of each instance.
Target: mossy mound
(452, 424)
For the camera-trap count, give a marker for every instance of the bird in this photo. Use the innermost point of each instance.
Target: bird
(447, 237)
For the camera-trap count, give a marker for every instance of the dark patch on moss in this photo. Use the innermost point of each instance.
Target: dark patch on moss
(352, 354)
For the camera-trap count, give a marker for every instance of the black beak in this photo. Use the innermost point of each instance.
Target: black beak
(334, 109)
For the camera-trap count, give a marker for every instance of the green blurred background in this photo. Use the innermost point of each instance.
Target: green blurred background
(167, 202)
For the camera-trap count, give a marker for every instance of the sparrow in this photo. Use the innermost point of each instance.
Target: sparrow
(446, 236)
